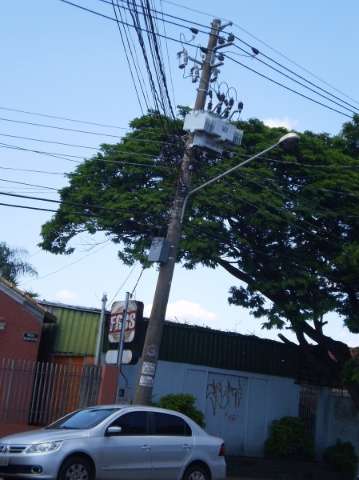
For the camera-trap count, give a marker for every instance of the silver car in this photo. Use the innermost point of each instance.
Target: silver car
(115, 442)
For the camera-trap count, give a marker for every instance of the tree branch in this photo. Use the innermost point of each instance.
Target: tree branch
(244, 277)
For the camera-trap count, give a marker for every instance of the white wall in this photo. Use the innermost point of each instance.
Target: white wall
(336, 419)
(238, 406)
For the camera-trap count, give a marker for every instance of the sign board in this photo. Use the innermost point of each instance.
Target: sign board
(111, 357)
(31, 337)
(146, 381)
(116, 318)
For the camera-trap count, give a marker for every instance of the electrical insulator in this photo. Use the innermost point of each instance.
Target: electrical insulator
(215, 74)
(195, 74)
(230, 38)
(182, 59)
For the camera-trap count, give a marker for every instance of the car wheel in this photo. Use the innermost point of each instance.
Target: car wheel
(76, 468)
(196, 472)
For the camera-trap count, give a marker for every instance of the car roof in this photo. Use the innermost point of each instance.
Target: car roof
(126, 406)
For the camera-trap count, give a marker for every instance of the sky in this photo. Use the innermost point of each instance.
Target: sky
(59, 60)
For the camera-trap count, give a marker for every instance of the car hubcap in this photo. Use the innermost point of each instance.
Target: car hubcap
(77, 472)
(196, 475)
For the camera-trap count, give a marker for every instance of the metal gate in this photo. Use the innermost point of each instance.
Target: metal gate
(37, 392)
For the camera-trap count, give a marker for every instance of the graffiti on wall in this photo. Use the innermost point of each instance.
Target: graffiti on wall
(224, 395)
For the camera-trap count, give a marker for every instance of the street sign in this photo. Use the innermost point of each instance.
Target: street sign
(111, 357)
(116, 319)
(31, 337)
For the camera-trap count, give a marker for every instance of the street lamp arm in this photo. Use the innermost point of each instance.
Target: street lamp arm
(217, 177)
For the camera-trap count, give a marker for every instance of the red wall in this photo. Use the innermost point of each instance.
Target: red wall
(18, 321)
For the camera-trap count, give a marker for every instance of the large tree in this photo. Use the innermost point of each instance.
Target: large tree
(286, 227)
(13, 264)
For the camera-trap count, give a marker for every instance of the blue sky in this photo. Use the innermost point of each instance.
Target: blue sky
(61, 61)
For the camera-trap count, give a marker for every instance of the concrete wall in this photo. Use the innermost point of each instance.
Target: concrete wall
(336, 419)
(238, 406)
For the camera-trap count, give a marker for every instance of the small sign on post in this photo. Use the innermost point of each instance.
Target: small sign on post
(117, 312)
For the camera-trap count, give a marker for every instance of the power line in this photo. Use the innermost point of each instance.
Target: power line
(71, 158)
(107, 17)
(232, 59)
(301, 83)
(258, 59)
(69, 264)
(123, 284)
(123, 36)
(278, 52)
(56, 117)
(28, 184)
(60, 202)
(28, 170)
(137, 281)
(285, 86)
(124, 139)
(27, 207)
(55, 127)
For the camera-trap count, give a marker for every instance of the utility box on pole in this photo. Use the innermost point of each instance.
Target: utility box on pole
(211, 132)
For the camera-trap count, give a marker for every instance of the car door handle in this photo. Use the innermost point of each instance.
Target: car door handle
(186, 446)
(146, 447)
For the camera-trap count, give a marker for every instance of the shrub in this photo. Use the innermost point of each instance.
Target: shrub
(183, 403)
(288, 438)
(342, 458)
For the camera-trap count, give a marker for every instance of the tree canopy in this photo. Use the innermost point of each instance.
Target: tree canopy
(285, 226)
(12, 263)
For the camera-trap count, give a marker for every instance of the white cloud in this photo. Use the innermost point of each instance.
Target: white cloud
(285, 122)
(185, 311)
(65, 295)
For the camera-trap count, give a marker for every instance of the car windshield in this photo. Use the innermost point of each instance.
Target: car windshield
(83, 419)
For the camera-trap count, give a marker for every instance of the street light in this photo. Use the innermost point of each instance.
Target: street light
(285, 141)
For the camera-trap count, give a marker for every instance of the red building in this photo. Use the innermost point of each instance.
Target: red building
(22, 321)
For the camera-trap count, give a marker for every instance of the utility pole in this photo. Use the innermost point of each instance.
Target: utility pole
(143, 395)
(100, 330)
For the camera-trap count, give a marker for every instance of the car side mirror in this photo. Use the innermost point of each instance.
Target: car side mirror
(111, 431)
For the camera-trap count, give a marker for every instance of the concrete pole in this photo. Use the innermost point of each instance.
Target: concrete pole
(148, 364)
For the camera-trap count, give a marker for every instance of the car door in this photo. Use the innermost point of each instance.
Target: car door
(127, 454)
(172, 444)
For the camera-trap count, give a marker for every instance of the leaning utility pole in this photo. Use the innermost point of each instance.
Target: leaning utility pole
(153, 338)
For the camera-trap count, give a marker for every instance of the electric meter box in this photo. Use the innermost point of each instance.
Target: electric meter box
(159, 250)
(211, 131)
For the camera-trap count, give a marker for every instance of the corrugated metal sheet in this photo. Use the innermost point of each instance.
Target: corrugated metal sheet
(77, 329)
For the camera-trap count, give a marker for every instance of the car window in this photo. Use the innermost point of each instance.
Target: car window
(134, 423)
(170, 425)
(83, 419)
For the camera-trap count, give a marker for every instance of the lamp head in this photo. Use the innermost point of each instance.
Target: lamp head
(288, 140)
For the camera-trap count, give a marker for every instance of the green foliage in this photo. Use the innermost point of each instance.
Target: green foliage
(288, 438)
(351, 372)
(12, 263)
(285, 227)
(183, 403)
(342, 458)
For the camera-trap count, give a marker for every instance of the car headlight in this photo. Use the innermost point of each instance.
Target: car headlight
(46, 447)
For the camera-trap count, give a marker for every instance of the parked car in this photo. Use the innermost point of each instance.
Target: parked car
(115, 442)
